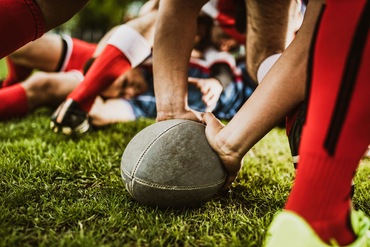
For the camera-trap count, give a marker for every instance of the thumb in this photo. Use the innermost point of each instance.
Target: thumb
(212, 123)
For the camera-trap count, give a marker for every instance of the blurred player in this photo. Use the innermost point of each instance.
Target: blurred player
(59, 61)
(128, 47)
(116, 58)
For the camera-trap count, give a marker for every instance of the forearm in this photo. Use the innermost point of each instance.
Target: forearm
(173, 42)
(269, 104)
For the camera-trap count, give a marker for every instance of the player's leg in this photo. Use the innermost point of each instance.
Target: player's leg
(50, 89)
(15, 73)
(77, 54)
(40, 89)
(13, 102)
(271, 26)
(42, 54)
(50, 53)
(22, 21)
(335, 136)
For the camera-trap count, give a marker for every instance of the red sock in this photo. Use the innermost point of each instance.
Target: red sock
(13, 102)
(321, 193)
(16, 73)
(21, 21)
(81, 52)
(105, 69)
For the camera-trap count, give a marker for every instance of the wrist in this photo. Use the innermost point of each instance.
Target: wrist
(228, 148)
(170, 109)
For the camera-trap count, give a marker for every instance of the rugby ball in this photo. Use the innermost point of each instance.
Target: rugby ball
(170, 164)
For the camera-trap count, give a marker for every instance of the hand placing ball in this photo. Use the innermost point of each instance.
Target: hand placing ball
(170, 164)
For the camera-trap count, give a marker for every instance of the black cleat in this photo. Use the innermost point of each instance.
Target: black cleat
(70, 119)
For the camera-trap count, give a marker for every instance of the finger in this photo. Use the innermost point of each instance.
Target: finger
(207, 97)
(193, 80)
(211, 104)
(198, 116)
(212, 99)
(229, 180)
(210, 108)
(193, 115)
(204, 90)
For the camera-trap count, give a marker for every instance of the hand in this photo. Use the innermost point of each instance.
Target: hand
(230, 159)
(211, 89)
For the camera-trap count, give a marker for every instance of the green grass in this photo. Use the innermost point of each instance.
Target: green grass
(59, 191)
(3, 69)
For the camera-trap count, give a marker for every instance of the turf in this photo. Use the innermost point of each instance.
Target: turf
(3, 69)
(59, 191)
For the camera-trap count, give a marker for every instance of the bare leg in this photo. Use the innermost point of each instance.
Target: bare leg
(270, 28)
(49, 89)
(42, 54)
(40, 89)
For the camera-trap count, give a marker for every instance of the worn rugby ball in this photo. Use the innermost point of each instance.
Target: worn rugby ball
(170, 164)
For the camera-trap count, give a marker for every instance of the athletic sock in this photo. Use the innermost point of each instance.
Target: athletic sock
(321, 195)
(77, 57)
(13, 102)
(126, 48)
(16, 73)
(21, 21)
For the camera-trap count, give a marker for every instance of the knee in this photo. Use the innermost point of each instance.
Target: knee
(38, 84)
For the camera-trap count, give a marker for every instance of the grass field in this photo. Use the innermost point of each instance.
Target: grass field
(3, 69)
(60, 191)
